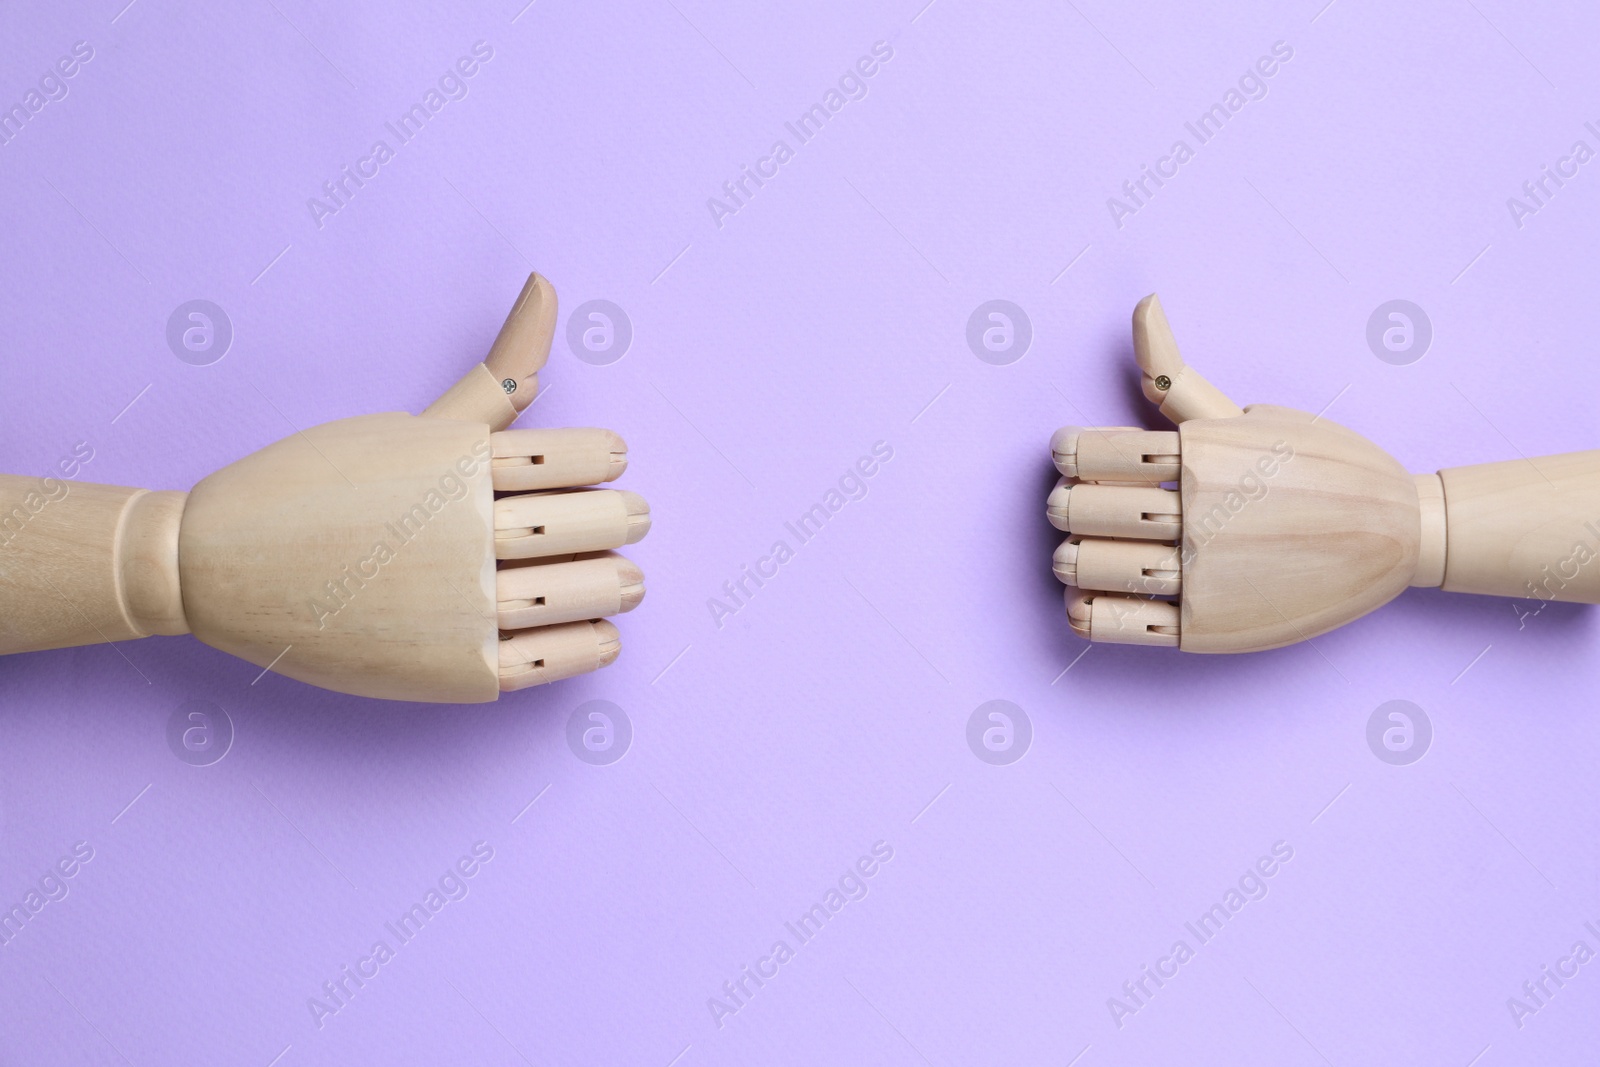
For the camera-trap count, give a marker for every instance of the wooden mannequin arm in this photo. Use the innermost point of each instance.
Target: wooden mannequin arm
(1285, 525)
(83, 563)
(408, 558)
(1522, 528)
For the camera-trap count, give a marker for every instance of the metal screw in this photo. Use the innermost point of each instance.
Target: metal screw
(510, 386)
(1163, 382)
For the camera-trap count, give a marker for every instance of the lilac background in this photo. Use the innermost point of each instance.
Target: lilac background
(831, 712)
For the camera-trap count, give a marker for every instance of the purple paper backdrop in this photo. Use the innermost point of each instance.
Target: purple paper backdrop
(775, 341)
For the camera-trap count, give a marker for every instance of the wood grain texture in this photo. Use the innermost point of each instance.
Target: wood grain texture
(1292, 526)
(82, 563)
(477, 397)
(526, 460)
(357, 556)
(538, 593)
(1525, 528)
(1180, 391)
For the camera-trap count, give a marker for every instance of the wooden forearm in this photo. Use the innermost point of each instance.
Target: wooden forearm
(1523, 528)
(83, 563)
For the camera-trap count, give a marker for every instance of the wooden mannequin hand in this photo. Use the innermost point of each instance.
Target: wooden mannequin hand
(435, 558)
(1283, 525)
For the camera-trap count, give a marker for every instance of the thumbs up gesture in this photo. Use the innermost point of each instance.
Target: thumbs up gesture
(437, 558)
(1248, 529)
